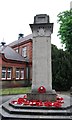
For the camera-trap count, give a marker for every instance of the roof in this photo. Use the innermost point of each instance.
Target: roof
(26, 38)
(11, 54)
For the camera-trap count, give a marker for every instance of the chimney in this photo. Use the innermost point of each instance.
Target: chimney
(3, 43)
(20, 36)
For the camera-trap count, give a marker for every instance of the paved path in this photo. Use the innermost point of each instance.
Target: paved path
(5, 98)
(64, 93)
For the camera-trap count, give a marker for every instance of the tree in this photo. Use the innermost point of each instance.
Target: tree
(61, 69)
(65, 29)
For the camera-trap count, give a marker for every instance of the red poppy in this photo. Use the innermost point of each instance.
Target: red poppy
(57, 104)
(46, 103)
(41, 89)
(20, 100)
(59, 98)
(39, 103)
(25, 96)
(26, 102)
(60, 101)
(32, 103)
(14, 102)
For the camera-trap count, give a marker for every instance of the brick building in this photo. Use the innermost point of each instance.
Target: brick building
(16, 62)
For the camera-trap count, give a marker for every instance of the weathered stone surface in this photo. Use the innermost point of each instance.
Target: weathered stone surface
(50, 96)
(41, 18)
(41, 75)
(42, 69)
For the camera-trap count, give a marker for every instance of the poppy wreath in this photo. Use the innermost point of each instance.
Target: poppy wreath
(41, 89)
(23, 101)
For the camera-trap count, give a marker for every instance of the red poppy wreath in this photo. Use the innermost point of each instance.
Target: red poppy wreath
(41, 89)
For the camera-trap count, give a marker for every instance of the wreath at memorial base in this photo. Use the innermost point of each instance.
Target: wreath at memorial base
(23, 101)
(41, 89)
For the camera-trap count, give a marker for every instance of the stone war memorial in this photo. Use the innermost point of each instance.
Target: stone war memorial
(42, 103)
(42, 76)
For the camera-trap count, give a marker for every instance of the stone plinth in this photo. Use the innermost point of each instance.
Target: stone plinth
(49, 96)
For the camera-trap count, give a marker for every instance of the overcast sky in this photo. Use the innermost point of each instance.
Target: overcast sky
(16, 15)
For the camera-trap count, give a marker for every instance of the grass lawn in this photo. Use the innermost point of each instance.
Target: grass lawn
(22, 90)
(10, 91)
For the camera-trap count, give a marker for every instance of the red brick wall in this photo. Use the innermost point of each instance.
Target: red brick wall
(27, 44)
(15, 65)
(29, 49)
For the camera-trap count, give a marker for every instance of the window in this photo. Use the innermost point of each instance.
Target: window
(24, 52)
(22, 73)
(9, 73)
(17, 73)
(3, 73)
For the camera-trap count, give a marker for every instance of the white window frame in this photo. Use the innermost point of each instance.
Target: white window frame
(18, 72)
(22, 74)
(9, 71)
(4, 71)
(24, 51)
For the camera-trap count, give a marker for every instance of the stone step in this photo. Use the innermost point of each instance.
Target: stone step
(7, 116)
(10, 113)
(38, 107)
(12, 110)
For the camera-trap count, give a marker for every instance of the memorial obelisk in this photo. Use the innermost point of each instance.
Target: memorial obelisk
(41, 60)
